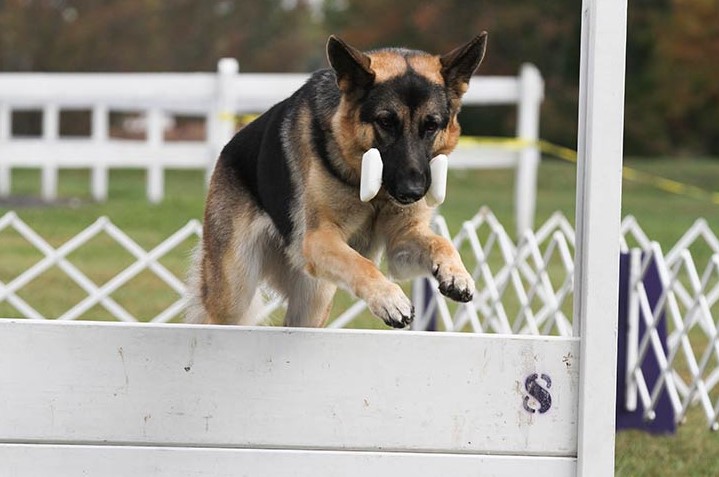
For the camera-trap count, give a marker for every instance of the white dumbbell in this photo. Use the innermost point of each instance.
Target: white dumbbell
(371, 177)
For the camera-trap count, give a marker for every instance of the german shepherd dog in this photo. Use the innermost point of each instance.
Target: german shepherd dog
(283, 204)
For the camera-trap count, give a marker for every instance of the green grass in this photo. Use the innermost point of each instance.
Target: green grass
(691, 452)
(53, 293)
(664, 217)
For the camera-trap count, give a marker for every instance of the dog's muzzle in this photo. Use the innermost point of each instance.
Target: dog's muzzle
(371, 177)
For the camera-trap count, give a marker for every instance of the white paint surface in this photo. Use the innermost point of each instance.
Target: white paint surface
(108, 461)
(283, 388)
(599, 183)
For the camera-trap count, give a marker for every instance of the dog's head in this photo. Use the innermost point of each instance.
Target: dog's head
(405, 104)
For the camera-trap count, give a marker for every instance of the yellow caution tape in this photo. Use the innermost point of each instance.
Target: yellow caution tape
(570, 155)
(561, 152)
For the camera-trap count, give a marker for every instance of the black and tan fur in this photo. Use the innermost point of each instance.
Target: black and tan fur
(283, 205)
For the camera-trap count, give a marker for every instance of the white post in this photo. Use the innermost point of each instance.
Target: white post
(155, 169)
(635, 275)
(100, 135)
(531, 92)
(5, 170)
(419, 302)
(599, 180)
(222, 125)
(50, 133)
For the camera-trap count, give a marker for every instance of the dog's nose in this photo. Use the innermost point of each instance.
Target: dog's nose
(410, 192)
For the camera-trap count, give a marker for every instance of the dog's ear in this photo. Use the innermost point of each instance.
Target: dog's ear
(351, 65)
(459, 64)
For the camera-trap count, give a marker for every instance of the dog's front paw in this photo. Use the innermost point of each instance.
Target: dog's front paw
(454, 283)
(390, 304)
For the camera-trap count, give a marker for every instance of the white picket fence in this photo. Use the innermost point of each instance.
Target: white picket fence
(215, 99)
(524, 287)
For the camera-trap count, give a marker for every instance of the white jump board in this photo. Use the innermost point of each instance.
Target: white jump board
(330, 391)
(19, 460)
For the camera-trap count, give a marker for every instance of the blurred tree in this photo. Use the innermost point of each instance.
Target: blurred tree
(154, 35)
(672, 90)
(543, 33)
(687, 82)
(644, 131)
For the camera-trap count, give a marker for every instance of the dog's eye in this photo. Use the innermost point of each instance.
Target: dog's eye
(431, 125)
(385, 121)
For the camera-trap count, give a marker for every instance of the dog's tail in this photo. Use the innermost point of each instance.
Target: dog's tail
(194, 309)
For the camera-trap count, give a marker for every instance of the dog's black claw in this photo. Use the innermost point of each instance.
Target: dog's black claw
(402, 323)
(449, 290)
(435, 271)
(395, 324)
(464, 296)
(446, 288)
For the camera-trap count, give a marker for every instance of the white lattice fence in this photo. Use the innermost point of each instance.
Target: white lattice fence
(688, 304)
(521, 271)
(96, 294)
(523, 288)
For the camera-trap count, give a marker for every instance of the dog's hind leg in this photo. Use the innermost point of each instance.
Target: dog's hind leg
(231, 275)
(309, 302)
(309, 299)
(231, 295)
